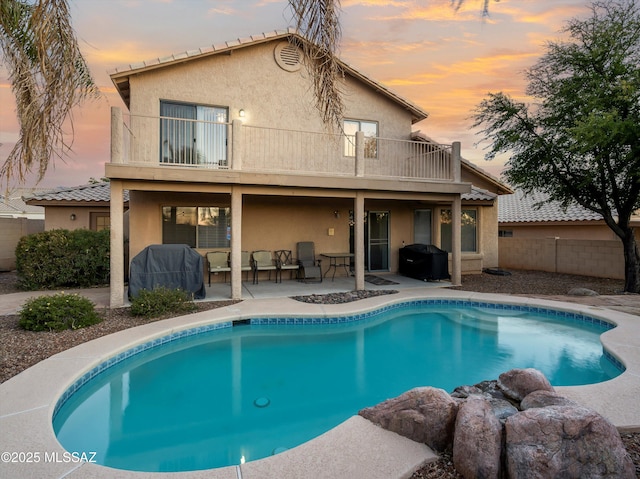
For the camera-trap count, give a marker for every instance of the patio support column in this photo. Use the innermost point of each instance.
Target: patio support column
(116, 135)
(236, 242)
(358, 217)
(236, 145)
(456, 156)
(116, 273)
(456, 241)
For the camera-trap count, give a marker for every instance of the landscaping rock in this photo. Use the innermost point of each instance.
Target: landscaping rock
(501, 408)
(463, 392)
(477, 442)
(425, 415)
(518, 383)
(544, 399)
(564, 441)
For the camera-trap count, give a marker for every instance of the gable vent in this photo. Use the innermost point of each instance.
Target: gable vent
(288, 56)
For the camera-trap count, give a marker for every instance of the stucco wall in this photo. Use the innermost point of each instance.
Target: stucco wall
(249, 79)
(600, 258)
(11, 230)
(59, 217)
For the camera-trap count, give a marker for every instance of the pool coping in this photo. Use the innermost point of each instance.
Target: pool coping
(355, 448)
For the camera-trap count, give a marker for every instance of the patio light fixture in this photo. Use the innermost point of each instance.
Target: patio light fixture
(72, 217)
(241, 113)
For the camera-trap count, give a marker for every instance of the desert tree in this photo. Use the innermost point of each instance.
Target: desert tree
(578, 140)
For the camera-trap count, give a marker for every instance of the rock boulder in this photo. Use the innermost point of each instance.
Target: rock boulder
(564, 441)
(518, 383)
(477, 443)
(425, 415)
(544, 399)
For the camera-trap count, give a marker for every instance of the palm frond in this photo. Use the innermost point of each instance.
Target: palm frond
(48, 76)
(318, 21)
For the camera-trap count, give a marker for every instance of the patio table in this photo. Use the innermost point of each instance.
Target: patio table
(333, 262)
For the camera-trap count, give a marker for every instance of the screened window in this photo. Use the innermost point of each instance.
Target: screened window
(469, 230)
(198, 227)
(370, 130)
(193, 134)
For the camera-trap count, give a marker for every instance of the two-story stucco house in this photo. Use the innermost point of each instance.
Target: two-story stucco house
(223, 149)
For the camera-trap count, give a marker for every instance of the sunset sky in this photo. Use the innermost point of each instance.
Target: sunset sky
(443, 60)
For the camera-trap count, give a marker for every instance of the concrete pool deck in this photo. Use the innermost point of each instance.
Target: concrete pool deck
(353, 449)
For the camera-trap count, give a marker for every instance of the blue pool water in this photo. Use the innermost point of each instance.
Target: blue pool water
(226, 395)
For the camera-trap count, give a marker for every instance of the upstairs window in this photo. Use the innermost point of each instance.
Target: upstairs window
(193, 134)
(370, 130)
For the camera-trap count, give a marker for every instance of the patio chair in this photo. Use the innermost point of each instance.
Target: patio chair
(262, 260)
(245, 264)
(285, 262)
(218, 263)
(309, 265)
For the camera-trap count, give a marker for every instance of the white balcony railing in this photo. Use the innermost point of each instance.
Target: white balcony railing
(205, 144)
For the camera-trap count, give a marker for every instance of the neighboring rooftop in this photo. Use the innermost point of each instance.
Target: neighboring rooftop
(95, 192)
(521, 208)
(12, 204)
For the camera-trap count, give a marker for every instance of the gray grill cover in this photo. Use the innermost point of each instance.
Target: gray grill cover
(170, 265)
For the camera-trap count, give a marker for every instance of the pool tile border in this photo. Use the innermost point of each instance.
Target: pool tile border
(333, 320)
(566, 315)
(118, 358)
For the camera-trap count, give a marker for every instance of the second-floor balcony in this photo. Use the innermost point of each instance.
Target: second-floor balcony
(187, 143)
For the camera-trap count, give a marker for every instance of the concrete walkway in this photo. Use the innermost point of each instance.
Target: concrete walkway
(11, 303)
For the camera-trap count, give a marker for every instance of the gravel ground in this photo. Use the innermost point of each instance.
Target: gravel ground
(21, 349)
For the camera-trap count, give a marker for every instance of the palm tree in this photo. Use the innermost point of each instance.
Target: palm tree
(319, 22)
(48, 77)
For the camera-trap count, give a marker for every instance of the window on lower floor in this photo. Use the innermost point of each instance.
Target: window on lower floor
(469, 224)
(99, 221)
(505, 233)
(370, 130)
(197, 226)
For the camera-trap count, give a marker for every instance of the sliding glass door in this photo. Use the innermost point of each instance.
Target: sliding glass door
(193, 134)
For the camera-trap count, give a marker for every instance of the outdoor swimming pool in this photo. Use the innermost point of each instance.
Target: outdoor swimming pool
(222, 394)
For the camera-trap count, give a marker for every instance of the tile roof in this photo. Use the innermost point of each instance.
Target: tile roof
(478, 194)
(97, 192)
(520, 208)
(17, 206)
(119, 75)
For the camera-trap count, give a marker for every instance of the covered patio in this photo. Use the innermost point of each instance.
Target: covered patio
(290, 287)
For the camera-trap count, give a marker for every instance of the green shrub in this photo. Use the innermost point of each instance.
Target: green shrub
(162, 300)
(63, 259)
(58, 312)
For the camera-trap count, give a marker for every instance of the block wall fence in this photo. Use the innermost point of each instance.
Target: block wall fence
(11, 230)
(599, 258)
